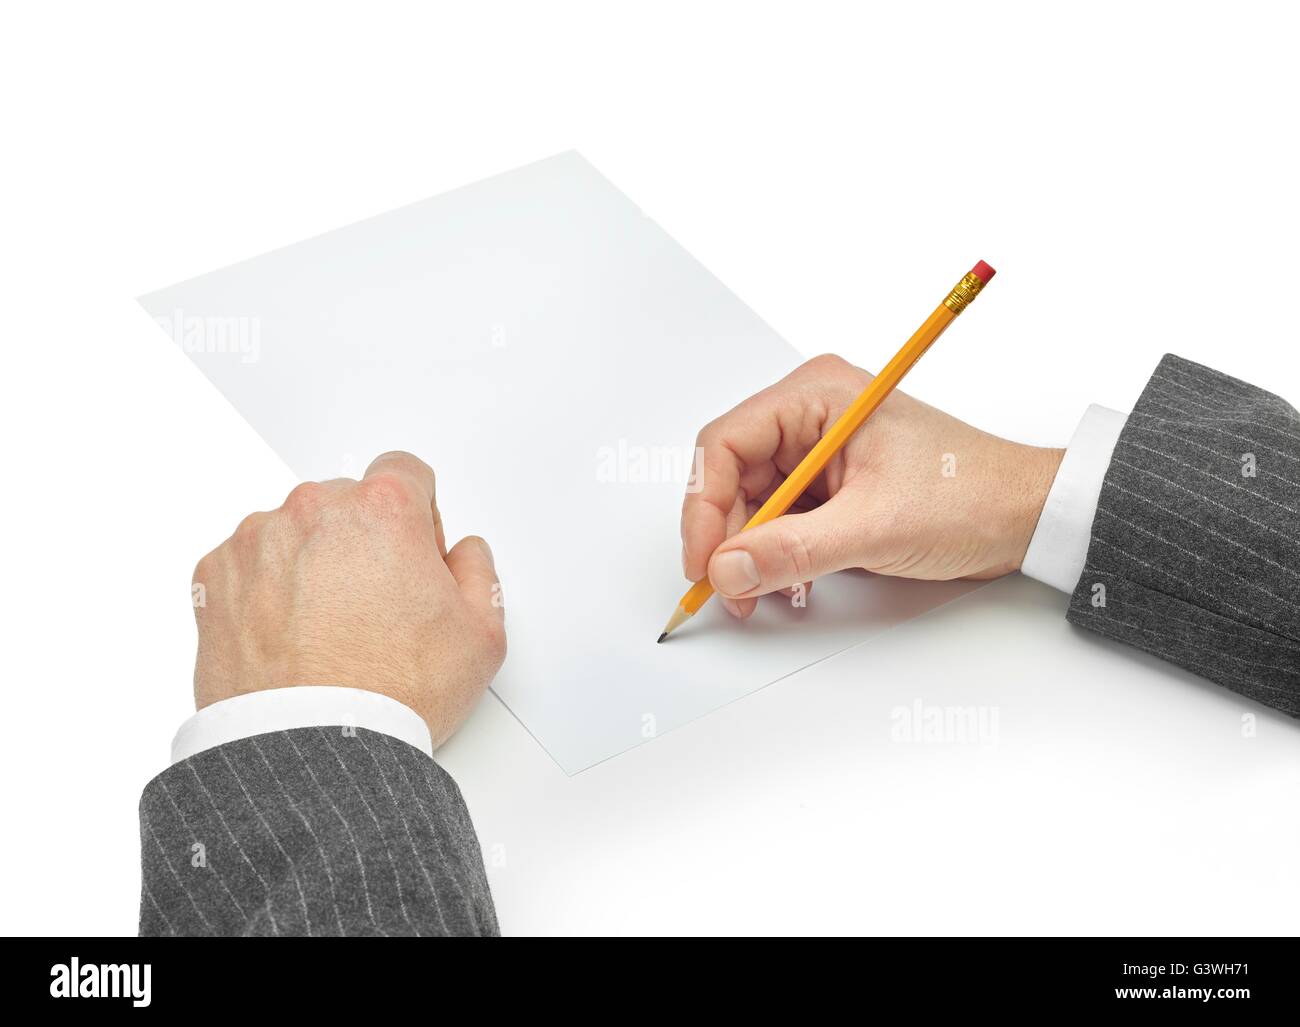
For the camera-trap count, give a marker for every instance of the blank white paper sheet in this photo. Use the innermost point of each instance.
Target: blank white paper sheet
(552, 353)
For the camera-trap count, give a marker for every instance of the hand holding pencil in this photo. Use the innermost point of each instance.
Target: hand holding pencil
(910, 491)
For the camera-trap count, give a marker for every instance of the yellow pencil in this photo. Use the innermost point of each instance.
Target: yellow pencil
(850, 421)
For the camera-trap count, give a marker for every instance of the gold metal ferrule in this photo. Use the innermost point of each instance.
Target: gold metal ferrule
(963, 292)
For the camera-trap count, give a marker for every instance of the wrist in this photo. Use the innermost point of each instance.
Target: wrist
(1026, 496)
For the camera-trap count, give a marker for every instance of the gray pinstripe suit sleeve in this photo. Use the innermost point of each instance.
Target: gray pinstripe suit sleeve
(1195, 548)
(314, 831)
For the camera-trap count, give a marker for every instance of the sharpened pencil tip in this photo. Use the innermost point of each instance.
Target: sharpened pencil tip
(675, 621)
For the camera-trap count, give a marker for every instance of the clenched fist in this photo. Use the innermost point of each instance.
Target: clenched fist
(351, 583)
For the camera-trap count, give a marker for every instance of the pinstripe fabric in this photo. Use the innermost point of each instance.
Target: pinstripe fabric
(1196, 538)
(310, 832)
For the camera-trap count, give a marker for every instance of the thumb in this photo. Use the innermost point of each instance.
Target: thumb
(785, 552)
(470, 562)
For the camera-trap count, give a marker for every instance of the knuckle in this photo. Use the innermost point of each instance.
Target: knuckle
(401, 460)
(305, 500)
(709, 433)
(205, 569)
(797, 555)
(827, 363)
(249, 530)
(398, 456)
(384, 495)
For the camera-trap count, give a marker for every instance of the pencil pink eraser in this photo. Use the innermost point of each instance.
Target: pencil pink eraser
(983, 272)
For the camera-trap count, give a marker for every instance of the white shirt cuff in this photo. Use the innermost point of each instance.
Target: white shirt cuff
(1059, 548)
(282, 709)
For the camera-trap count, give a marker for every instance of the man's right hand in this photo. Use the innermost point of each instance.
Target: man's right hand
(915, 493)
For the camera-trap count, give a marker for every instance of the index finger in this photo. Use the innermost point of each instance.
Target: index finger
(415, 472)
(736, 459)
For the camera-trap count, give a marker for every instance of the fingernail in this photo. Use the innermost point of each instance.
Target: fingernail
(731, 606)
(684, 574)
(734, 573)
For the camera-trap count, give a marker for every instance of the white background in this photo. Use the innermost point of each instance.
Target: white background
(1130, 170)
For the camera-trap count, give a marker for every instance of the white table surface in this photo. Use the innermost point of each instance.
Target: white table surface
(1118, 795)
